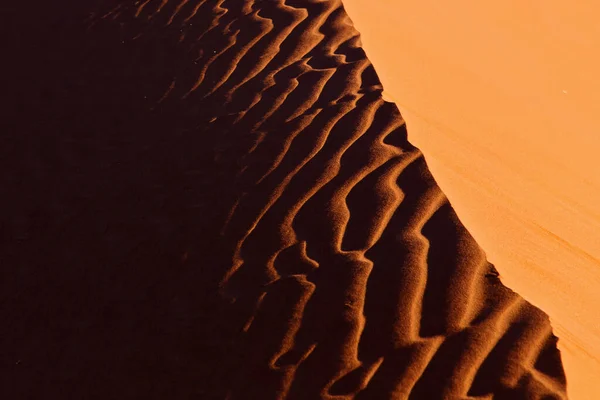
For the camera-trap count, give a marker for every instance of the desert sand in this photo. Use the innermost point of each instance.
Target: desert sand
(213, 199)
(502, 98)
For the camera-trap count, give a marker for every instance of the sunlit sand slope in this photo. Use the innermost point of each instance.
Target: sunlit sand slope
(217, 202)
(503, 98)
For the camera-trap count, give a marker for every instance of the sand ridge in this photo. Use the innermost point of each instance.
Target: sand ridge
(502, 98)
(315, 255)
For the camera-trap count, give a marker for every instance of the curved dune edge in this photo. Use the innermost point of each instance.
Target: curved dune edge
(257, 225)
(501, 97)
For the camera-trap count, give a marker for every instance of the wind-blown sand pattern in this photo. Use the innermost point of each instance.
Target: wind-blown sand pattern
(237, 213)
(515, 150)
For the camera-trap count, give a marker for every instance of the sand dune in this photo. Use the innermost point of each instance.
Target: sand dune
(502, 98)
(213, 200)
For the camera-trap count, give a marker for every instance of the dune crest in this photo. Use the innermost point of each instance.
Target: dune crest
(259, 224)
(502, 98)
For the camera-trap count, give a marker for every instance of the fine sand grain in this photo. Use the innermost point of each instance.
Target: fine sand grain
(211, 199)
(503, 100)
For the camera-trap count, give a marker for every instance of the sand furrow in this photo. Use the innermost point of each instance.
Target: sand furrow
(257, 224)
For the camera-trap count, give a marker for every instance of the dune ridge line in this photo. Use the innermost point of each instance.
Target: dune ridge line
(319, 259)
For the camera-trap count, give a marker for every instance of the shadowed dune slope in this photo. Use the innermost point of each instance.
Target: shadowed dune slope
(210, 199)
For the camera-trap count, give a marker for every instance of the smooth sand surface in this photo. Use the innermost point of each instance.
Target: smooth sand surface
(503, 99)
(212, 199)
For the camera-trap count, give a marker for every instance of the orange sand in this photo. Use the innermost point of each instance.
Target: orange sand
(503, 100)
(211, 199)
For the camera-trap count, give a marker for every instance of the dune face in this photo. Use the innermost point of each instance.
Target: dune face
(502, 98)
(215, 201)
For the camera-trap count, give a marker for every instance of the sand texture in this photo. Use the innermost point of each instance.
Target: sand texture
(503, 98)
(211, 199)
